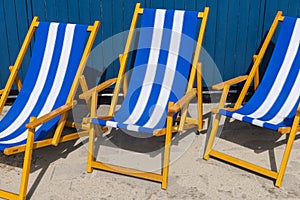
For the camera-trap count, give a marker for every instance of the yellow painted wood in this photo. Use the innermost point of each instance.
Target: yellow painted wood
(286, 130)
(191, 120)
(204, 16)
(127, 171)
(44, 143)
(199, 96)
(87, 94)
(256, 76)
(244, 164)
(16, 67)
(27, 161)
(258, 60)
(92, 133)
(17, 80)
(125, 81)
(8, 195)
(84, 88)
(123, 62)
(183, 101)
(49, 116)
(230, 82)
(91, 148)
(168, 139)
(212, 136)
(288, 149)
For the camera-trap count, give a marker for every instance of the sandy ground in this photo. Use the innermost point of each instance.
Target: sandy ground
(60, 172)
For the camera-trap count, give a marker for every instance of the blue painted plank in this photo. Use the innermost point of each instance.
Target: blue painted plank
(190, 5)
(22, 28)
(209, 43)
(231, 53)
(4, 53)
(240, 65)
(62, 11)
(107, 24)
(73, 11)
(253, 32)
(169, 4)
(157, 4)
(38, 9)
(294, 8)
(84, 12)
(179, 5)
(50, 10)
(221, 33)
(11, 27)
(95, 64)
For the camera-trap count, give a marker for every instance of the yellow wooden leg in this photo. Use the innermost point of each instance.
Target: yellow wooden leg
(212, 136)
(199, 96)
(168, 139)
(91, 148)
(27, 162)
(287, 152)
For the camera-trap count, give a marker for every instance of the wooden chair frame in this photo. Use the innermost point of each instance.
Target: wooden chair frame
(253, 76)
(173, 108)
(35, 122)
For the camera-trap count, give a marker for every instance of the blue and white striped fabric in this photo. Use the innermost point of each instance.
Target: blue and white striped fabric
(275, 102)
(56, 56)
(161, 70)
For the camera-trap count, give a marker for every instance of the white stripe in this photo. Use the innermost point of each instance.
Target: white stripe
(131, 127)
(282, 74)
(170, 70)
(151, 68)
(288, 104)
(284, 110)
(58, 80)
(112, 124)
(34, 96)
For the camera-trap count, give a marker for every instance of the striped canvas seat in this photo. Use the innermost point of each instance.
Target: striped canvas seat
(275, 102)
(55, 58)
(161, 70)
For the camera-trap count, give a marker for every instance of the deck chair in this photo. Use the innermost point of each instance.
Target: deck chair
(160, 77)
(275, 103)
(46, 95)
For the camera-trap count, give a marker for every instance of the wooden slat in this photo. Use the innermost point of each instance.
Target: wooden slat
(244, 164)
(44, 143)
(127, 171)
(8, 195)
(230, 82)
(49, 116)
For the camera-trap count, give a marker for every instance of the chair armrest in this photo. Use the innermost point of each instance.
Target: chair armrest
(230, 82)
(49, 116)
(98, 88)
(183, 101)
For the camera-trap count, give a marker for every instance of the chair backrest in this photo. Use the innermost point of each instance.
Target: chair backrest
(161, 69)
(275, 102)
(55, 59)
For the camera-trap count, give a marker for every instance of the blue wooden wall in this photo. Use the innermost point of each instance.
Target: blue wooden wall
(234, 31)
